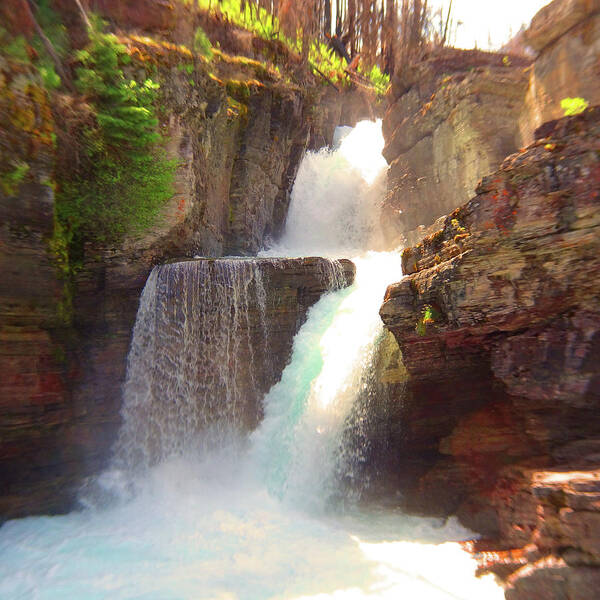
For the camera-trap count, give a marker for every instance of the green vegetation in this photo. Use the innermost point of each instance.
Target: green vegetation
(321, 58)
(429, 315)
(59, 245)
(257, 20)
(14, 47)
(125, 178)
(378, 79)
(573, 106)
(202, 44)
(10, 181)
(122, 177)
(18, 49)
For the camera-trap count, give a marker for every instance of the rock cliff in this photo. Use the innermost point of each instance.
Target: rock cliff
(455, 116)
(452, 118)
(498, 322)
(566, 36)
(237, 131)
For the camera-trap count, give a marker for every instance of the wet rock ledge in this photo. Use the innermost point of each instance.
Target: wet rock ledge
(498, 322)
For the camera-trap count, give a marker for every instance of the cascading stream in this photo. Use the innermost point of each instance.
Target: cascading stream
(299, 444)
(251, 517)
(200, 339)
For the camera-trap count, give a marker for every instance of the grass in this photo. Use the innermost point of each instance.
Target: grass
(320, 56)
(202, 44)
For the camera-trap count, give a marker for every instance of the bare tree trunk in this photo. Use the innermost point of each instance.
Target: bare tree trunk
(84, 16)
(327, 15)
(65, 78)
(390, 34)
(351, 18)
(445, 36)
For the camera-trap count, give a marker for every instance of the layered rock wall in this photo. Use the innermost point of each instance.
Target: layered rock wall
(498, 322)
(566, 36)
(452, 118)
(33, 397)
(455, 116)
(238, 132)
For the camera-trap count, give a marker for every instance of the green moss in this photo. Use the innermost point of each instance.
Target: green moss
(458, 227)
(59, 354)
(59, 247)
(429, 315)
(238, 90)
(236, 109)
(11, 180)
(15, 48)
(50, 77)
(187, 67)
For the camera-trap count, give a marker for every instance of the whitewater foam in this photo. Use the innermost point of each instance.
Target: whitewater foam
(256, 518)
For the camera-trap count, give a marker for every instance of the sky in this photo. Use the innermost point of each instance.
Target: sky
(483, 19)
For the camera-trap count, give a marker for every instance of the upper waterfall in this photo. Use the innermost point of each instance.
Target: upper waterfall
(336, 199)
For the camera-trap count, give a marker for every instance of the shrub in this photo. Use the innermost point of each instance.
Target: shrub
(11, 180)
(573, 106)
(202, 44)
(124, 178)
(262, 23)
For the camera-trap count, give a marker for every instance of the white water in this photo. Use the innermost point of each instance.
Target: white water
(260, 518)
(334, 209)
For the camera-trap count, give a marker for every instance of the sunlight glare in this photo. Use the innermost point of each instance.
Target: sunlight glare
(362, 149)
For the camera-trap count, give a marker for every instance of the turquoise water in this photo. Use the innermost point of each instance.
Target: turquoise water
(249, 518)
(258, 517)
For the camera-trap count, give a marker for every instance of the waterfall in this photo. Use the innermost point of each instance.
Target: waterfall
(334, 209)
(300, 443)
(220, 514)
(199, 355)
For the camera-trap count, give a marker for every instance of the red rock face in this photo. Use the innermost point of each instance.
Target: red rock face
(16, 18)
(60, 379)
(500, 315)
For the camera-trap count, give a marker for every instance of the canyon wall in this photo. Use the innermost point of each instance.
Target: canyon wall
(498, 323)
(456, 115)
(238, 132)
(566, 36)
(492, 396)
(452, 118)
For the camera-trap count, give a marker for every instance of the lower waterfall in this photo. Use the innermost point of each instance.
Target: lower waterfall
(200, 342)
(247, 517)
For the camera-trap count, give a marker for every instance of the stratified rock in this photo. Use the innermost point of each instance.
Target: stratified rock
(557, 18)
(58, 424)
(566, 33)
(452, 121)
(455, 116)
(498, 322)
(65, 334)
